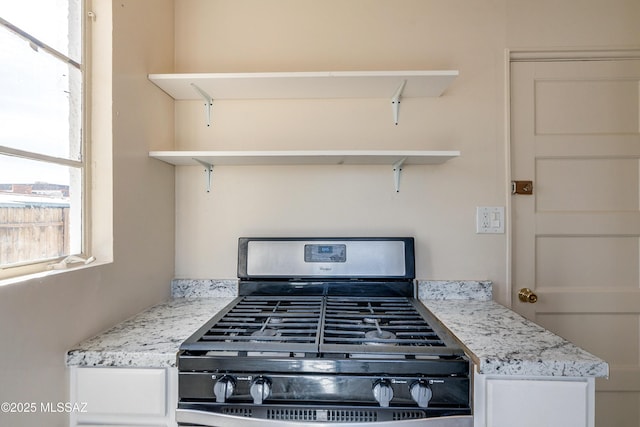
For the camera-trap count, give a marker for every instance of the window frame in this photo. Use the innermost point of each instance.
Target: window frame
(23, 269)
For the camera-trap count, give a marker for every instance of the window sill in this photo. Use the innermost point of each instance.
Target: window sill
(49, 273)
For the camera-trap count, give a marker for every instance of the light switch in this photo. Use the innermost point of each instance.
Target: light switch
(489, 219)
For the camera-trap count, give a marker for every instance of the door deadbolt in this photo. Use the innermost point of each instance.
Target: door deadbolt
(522, 187)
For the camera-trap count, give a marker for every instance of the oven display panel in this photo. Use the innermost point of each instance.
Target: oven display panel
(325, 253)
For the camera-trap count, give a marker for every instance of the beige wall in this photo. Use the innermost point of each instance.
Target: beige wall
(592, 24)
(41, 319)
(435, 204)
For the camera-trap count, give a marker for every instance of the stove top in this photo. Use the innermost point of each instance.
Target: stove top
(320, 326)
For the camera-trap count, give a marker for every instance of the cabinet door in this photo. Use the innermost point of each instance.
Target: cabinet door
(537, 403)
(109, 391)
(124, 397)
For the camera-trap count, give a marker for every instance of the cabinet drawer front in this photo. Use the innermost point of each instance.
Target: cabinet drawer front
(122, 391)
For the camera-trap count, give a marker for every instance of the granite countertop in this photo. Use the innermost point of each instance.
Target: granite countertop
(150, 339)
(499, 341)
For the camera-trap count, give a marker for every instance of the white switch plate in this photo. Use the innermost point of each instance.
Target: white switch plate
(489, 219)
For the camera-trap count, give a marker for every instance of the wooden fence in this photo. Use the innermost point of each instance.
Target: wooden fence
(33, 233)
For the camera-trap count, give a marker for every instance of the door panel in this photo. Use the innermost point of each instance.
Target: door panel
(585, 184)
(586, 107)
(586, 261)
(575, 131)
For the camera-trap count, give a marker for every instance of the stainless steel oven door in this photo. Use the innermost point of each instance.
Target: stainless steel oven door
(194, 418)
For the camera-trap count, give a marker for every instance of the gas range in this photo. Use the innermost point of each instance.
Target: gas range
(325, 332)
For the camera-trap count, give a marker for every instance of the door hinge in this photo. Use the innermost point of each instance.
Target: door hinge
(521, 187)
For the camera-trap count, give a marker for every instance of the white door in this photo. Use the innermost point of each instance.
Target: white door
(575, 132)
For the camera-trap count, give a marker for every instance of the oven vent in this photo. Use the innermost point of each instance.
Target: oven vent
(351, 416)
(238, 412)
(407, 415)
(292, 414)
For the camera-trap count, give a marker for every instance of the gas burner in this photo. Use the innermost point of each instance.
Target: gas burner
(265, 334)
(372, 337)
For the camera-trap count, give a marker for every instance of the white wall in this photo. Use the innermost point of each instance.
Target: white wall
(435, 204)
(41, 319)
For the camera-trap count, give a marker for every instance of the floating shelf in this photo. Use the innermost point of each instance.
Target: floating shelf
(306, 85)
(345, 84)
(304, 157)
(396, 159)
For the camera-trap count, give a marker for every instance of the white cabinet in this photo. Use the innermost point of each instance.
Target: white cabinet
(124, 396)
(508, 401)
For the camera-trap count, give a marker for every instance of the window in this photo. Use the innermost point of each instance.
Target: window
(42, 155)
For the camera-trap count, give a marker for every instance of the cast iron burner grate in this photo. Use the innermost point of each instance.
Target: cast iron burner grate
(319, 325)
(376, 321)
(264, 322)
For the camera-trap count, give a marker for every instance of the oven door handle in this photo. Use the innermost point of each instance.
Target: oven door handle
(190, 417)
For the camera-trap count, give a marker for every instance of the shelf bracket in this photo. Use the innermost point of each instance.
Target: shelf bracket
(397, 168)
(395, 101)
(208, 169)
(208, 103)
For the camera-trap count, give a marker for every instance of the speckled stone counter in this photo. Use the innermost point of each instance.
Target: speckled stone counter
(499, 341)
(194, 288)
(151, 339)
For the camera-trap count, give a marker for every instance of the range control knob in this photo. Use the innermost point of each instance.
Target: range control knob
(260, 390)
(421, 393)
(223, 388)
(383, 392)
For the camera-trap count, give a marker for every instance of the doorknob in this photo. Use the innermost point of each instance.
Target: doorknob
(527, 295)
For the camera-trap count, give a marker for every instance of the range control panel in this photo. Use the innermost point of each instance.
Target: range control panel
(423, 392)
